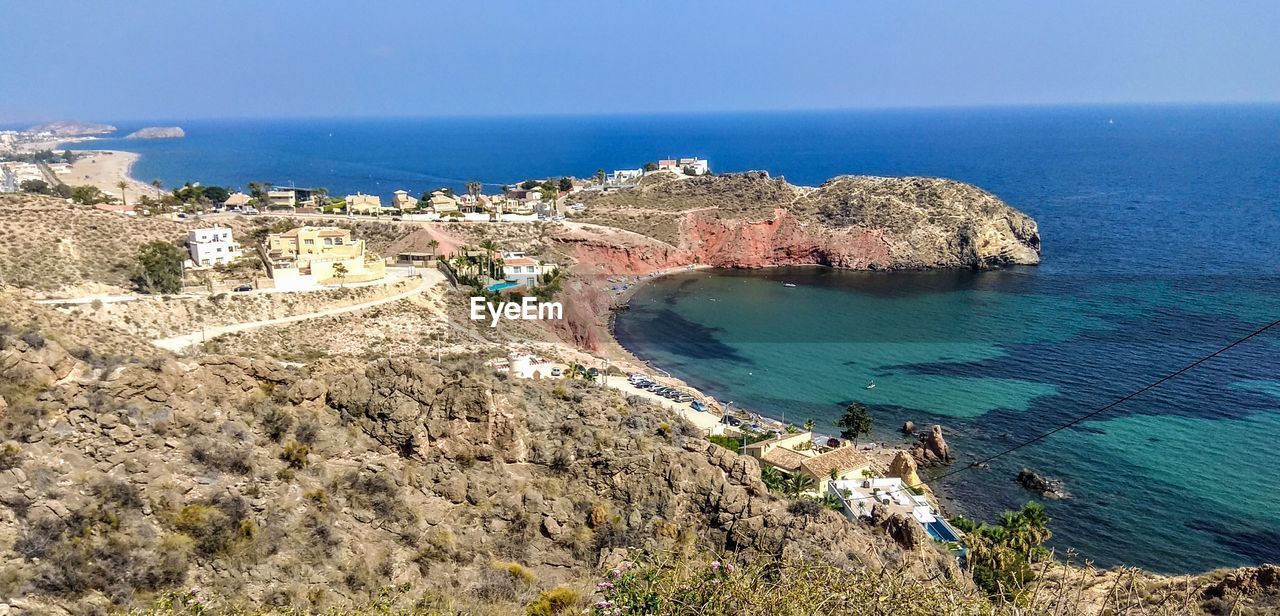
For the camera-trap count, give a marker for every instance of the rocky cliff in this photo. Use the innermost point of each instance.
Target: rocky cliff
(752, 220)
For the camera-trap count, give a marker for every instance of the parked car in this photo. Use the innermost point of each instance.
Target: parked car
(593, 371)
(242, 288)
(733, 421)
(249, 211)
(555, 372)
(698, 406)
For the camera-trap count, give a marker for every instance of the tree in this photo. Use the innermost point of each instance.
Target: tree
(600, 176)
(39, 187)
(340, 272)
(88, 195)
(529, 184)
(566, 184)
(159, 268)
(489, 247)
(651, 166)
(809, 424)
(122, 185)
(433, 244)
(474, 189)
(158, 184)
(216, 194)
(855, 422)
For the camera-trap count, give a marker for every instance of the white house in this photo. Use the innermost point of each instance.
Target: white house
(688, 166)
(518, 268)
(694, 166)
(623, 176)
(213, 246)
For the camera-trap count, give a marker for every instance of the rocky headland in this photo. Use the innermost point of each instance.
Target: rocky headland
(857, 222)
(158, 132)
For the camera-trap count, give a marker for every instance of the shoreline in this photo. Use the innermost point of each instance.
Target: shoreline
(882, 452)
(105, 169)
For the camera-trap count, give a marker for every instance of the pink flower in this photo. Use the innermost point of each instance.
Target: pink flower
(715, 564)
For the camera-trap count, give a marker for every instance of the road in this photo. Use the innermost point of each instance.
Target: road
(430, 278)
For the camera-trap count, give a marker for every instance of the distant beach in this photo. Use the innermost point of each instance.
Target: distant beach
(105, 169)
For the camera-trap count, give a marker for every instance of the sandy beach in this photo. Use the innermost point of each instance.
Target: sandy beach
(105, 169)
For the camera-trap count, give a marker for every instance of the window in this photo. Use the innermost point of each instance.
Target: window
(309, 242)
(328, 242)
(337, 241)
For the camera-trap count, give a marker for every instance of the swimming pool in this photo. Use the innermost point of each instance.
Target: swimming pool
(940, 531)
(502, 286)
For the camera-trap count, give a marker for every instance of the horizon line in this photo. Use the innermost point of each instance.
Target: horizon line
(607, 114)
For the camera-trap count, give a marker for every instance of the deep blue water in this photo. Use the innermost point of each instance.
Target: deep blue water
(1161, 234)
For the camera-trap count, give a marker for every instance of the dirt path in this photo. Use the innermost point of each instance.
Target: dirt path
(430, 278)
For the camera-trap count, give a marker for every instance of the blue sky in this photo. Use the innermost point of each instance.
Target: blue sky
(161, 59)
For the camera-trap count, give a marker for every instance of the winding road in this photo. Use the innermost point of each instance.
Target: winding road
(429, 278)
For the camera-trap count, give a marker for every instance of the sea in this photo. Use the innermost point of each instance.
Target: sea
(1161, 244)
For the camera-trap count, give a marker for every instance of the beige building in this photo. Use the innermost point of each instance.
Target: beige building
(364, 204)
(795, 453)
(402, 201)
(307, 256)
(442, 203)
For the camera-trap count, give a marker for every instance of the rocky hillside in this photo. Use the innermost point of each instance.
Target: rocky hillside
(317, 488)
(752, 220)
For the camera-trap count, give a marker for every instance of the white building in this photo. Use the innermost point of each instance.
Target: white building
(623, 176)
(694, 166)
(688, 166)
(213, 246)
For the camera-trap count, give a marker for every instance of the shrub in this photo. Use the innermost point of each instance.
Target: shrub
(555, 602)
(222, 458)
(216, 527)
(10, 456)
(295, 454)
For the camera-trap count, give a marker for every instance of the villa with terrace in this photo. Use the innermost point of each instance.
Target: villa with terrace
(859, 496)
(797, 453)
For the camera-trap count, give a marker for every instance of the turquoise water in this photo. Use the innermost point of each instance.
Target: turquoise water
(502, 286)
(1176, 480)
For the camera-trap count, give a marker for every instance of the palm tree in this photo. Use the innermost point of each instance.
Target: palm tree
(489, 247)
(1036, 523)
(157, 184)
(433, 244)
(798, 484)
(808, 425)
(123, 185)
(474, 188)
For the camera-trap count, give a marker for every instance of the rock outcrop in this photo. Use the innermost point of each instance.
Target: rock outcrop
(158, 132)
(1046, 487)
(904, 467)
(931, 448)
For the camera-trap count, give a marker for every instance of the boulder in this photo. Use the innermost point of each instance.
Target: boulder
(932, 448)
(908, 427)
(905, 531)
(1046, 487)
(904, 467)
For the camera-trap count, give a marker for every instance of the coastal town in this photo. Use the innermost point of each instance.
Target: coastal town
(313, 247)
